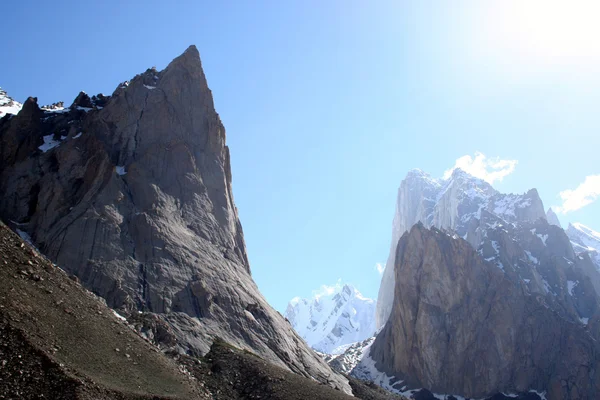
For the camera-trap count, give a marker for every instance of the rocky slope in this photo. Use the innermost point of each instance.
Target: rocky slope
(331, 322)
(229, 373)
(60, 341)
(132, 194)
(460, 324)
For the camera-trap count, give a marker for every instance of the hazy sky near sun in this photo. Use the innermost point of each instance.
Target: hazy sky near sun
(327, 105)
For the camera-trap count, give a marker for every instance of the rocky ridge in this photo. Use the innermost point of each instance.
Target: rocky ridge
(58, 340)
(585, 241)
(332, 321)
(132, 194)
(552, 218)
(8, 106)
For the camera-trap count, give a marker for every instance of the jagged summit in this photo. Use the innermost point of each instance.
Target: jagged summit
(333, 319)
(461, 324)
(454, 204)
(588, 237)
(472, 276)
(8, 105)
(459, 173)
(552, 218)
(585, 241)
(132, 194)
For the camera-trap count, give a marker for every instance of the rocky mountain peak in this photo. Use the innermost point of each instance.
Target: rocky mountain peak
(30, 107)
(552, 218)
(417, 173)
(82, 100)
(333, 319)
(458, 204)
(191, 56)
(132, 194)
(583, 238)
(585, 241)
(59, 105)
(460, 175)
(8, 105)
(460, 324)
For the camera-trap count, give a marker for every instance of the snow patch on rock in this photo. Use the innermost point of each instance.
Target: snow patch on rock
(8, 105)
(49, 143)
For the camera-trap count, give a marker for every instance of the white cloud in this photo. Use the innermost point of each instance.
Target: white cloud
(584, 194)
(327, 290)
(482, 167)
(380, 268)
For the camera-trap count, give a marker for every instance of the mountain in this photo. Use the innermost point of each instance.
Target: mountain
(131, 193)
(331, 322)
(585, 241)
(60, 341)
(454, 204)
(483, 294)
(8, 105)
(461, 324)
(552, 218)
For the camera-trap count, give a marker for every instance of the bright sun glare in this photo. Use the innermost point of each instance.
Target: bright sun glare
(542, 33)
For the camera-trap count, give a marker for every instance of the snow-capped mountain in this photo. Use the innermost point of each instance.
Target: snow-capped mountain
(585, 240)
(470, 251)
(455, 204)
(8, 105)
(332, 321)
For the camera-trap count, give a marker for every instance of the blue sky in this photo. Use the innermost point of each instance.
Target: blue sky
(327, 105)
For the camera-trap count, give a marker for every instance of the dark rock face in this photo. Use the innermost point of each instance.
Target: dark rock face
(132, 194)
(455, 204)
(460, 324)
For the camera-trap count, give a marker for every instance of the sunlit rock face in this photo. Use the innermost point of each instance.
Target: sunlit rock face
(132, 194)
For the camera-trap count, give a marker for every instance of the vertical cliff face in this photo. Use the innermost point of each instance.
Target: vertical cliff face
(460, 324)
(132, 194)
(454, 204)
(493, 299)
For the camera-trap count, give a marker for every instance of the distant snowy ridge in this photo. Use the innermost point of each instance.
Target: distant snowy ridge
(8, 105)
(585, 240)
(333, 320)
